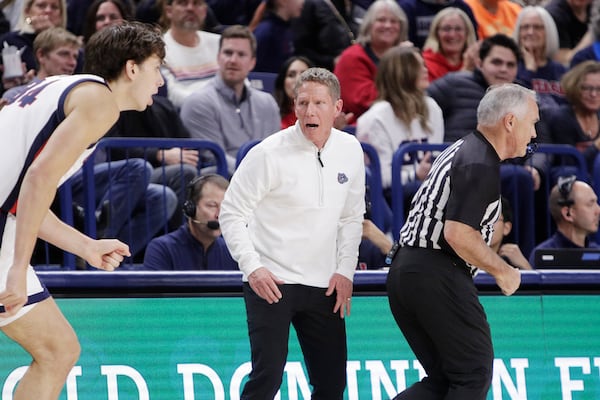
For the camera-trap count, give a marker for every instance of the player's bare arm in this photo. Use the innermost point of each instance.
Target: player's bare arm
(90, 111)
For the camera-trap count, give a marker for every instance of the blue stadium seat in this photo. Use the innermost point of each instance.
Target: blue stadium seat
(65, 193)
(264, 81)
(243, 150)
(380, 212)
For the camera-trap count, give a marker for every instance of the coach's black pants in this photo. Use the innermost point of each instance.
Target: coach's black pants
(435, 303)
(321, 333)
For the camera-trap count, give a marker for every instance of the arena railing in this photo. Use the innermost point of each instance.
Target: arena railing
(216, 162)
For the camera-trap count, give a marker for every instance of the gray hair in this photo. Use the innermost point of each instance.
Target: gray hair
(502, 99)
(322, 76)
(551, 39)
(364, 31)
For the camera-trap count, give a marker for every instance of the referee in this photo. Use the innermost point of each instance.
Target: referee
(445, 240)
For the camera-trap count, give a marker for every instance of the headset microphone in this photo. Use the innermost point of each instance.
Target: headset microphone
(213, 225)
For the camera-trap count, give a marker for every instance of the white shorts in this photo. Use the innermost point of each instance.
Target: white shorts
(36, 292)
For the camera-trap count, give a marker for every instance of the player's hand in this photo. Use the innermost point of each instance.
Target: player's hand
(342, 287)
(14, 295)
(264, 284)
(106, 254)
(509, 280)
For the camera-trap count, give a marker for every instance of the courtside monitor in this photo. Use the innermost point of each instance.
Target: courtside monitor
(567, 259)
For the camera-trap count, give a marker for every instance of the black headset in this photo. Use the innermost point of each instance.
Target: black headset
(189, 206)
(565, 186)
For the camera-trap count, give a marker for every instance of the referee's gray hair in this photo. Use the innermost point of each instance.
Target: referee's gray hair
(502, 99)
(322, 76)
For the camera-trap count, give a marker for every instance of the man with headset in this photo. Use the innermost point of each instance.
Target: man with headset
(575, 210)
(197, 244)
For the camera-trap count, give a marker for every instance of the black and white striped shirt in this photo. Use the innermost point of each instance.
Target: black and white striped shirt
(464, 186)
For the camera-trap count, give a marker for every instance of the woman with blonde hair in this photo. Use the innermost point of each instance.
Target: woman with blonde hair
(450, 35)
(402, 113)
(383, 27)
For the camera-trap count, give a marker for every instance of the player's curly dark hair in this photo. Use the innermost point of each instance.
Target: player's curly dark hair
(109, 49)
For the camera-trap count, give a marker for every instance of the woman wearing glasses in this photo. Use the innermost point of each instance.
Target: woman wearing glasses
(577, 123)
(537, 36)
(451, 43)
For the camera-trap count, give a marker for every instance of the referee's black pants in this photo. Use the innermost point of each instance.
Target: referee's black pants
(435, 303)
(321, 334)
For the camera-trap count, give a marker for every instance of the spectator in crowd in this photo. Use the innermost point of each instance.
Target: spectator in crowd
(284, 87)
(577, 122)
(174, 167)
(274, 37)
(56, 51)
(590, 52)
(138, 209)
(458, 93)
(536, 35)
(152, 12)
(299, 272)
(421, 13)
(59, 124)
(494, 16)
(383, 27)
(37, 15)
(450, 36)
(575, 210)
(572, 18)
(227, 110)
(191, 59)
(402, 113)
(321, 33)
(197, 244)
(104, 13)
(510, 252)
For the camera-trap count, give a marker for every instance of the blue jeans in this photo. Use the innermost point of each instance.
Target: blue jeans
(138, 208)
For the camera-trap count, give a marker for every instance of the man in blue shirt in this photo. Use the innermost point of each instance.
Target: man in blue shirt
(197, 244)
(575, 210)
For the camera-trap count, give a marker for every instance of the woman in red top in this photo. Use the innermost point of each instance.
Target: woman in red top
(384, 25)
(450, 35)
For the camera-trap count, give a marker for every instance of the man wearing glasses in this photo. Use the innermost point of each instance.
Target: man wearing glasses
(575, 210)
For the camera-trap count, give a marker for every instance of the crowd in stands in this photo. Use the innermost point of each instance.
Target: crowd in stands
(410, 71)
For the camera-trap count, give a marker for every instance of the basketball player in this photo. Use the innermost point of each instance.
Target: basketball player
(46, 133)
